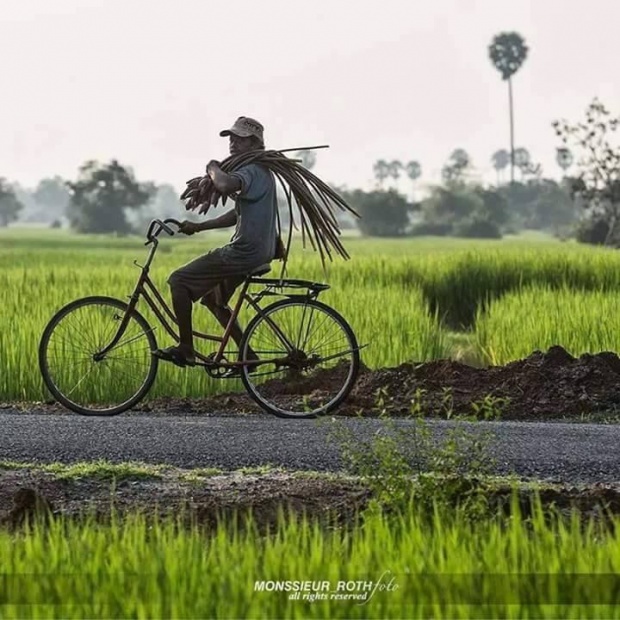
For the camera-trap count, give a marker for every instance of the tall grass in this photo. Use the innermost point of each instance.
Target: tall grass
(456, 276)
(396, 293)
(464, 283)
(539, 317)
(395, 323)
(451, 567)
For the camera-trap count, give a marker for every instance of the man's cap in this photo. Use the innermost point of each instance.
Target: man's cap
(245, 127)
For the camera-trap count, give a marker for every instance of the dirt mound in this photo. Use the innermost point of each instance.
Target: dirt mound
(546, 385)
(551, 384)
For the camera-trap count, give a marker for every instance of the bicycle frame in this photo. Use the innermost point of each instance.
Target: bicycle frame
(146, 289)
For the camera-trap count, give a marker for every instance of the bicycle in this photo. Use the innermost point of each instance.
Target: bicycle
(308, 356)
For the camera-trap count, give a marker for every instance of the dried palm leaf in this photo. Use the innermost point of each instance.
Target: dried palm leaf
(316, 201)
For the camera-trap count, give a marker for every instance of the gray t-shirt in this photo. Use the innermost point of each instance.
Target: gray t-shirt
(254, 241)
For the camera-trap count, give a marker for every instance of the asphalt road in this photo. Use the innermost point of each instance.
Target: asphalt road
(553, 451)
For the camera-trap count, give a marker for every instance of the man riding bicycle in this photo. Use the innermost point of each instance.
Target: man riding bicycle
(213, 277)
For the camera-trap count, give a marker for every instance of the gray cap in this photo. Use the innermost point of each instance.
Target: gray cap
(245, 127)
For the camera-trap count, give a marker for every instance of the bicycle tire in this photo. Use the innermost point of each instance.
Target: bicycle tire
(351, 377)
(57, 392)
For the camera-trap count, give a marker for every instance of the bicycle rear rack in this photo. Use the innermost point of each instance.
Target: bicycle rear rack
(314, 288)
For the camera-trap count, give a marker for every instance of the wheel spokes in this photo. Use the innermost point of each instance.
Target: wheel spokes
(315, 372)
(71, 362)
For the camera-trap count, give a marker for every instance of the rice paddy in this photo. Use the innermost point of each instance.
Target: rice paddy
(404, 298)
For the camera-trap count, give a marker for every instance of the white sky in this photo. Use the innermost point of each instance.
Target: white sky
(151, 82)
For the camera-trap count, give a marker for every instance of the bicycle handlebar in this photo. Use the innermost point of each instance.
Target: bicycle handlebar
(152, 234)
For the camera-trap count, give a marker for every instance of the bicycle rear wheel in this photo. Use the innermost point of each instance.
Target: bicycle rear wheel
(315, 358)
(74, 373)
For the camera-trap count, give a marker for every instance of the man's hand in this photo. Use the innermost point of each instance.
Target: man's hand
(212, 166)
(224, 183)
(189, 228)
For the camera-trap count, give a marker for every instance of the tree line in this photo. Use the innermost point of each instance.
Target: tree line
(106, 197)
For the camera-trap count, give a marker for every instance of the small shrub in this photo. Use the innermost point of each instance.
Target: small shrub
(404, 463)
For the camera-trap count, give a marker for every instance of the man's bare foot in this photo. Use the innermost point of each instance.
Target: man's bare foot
(177, 355)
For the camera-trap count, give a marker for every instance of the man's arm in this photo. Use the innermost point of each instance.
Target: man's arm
(224, 183)
(223, 221)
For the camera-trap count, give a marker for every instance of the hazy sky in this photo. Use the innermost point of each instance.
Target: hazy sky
(152, 82)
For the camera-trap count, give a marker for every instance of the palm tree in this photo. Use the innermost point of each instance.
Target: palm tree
(394, 168)
(564, 158)
(500, 160)
(508, 52)
(414, 171)
(460, 158)
(522, 160)
(381, 170)
(457, 164)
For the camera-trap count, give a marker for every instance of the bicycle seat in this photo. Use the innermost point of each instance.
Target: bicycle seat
(261, 270)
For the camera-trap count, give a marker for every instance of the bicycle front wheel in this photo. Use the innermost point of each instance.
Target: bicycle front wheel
(312, 358)
(78, 376)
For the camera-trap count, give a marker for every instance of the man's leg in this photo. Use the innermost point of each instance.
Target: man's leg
(194, 280)
(223, 314)
(182, 305)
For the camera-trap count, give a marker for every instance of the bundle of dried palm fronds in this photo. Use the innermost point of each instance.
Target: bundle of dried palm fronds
(316, 201)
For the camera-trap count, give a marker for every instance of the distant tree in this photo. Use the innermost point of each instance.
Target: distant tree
(464, 210)
(413, 170)
(382, 213)
(522, 160)
(10, 206)
(564, 158)
(52, 196)
(508, 52)
(450, 204)
(101, 195)
(494, 207)
(500, 160)
(597, 184)
(540, 204)
(394, 167)
(308, 158)
(525, 164)
(381, 170)
(456, 166)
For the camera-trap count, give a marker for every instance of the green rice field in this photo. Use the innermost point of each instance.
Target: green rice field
(538, 317)
(405, 298)
(451, 567)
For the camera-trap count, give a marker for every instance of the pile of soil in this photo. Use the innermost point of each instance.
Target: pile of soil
(543, 385)
(546, 385)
